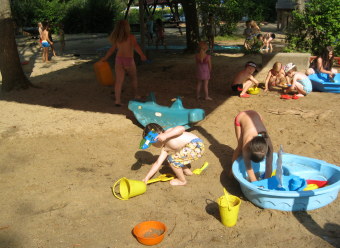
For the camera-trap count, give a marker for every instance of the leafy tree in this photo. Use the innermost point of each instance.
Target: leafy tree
(315, 28)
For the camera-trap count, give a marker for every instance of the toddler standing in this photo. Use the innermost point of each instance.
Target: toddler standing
(203, 69)
(299, 81)
(179, 147)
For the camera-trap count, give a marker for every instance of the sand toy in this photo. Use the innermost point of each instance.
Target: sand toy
(129, 188)
(254, 90)
(103, 73)
(297, 200)
(322, 82)
(149, 232)
(228, 206)
(167, 117)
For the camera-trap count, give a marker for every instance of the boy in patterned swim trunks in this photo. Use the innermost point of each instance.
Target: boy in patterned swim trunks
(179, 147)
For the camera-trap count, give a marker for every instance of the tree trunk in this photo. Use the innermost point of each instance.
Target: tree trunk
(191, 22)
(13, 76)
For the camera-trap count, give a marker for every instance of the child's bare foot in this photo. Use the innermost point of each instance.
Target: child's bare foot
(208, 98)
(177, 182)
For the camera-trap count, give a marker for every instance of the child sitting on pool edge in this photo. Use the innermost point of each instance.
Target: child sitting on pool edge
(244, 79)
(299, 81)
(179, 147)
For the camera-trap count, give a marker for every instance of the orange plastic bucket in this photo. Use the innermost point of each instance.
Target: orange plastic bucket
(149, 232)
(103, 73)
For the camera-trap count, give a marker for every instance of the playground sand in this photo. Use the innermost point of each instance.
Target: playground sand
(65, 144)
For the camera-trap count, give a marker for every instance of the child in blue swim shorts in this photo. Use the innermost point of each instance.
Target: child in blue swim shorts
(179, 147)
(299, 81)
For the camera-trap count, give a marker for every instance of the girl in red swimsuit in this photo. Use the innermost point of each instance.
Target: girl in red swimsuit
(254, 143)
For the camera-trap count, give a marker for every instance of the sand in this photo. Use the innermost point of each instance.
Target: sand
(65, 144)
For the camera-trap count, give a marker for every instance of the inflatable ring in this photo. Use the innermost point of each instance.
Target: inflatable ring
(253, 90)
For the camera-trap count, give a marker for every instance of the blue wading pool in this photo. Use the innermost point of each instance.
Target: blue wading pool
(293, 165)
(321, 82)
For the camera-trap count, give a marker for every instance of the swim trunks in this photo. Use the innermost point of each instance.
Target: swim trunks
(45, 43)
(237, 87)
(307, 85)
(189, 153)
(125, 61)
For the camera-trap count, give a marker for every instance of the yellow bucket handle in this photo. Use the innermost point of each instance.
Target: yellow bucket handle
(113, 190)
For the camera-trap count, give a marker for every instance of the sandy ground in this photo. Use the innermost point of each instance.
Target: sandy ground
(65, 144)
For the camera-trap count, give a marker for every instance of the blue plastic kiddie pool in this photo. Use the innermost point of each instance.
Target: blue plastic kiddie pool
(293, 165)
(322, 82)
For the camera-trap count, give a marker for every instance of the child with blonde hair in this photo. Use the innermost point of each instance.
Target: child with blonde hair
(125, 43)
(179, 147)
(299, 81)
(275, 77)
(203, 69)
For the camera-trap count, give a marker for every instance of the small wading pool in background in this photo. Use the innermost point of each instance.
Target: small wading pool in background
(306, 168)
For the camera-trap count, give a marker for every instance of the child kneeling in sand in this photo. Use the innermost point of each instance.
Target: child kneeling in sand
(179, 147)
(299, 81)
(253, 141)
(244, 79)
(275, 77)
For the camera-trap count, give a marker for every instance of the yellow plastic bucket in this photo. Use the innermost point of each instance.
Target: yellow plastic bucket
(229, 212)
(253, 90)
(128, 188)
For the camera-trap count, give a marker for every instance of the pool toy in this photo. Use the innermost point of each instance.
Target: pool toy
(286, 97)
(161, 178)
(253, 90)
(103, 73)
(322, 82)
(198, 171)
(129, 188)
(148, 140)
(319, 183)
(167, 117)
(228, 206)
(149, 232)
(292, 165)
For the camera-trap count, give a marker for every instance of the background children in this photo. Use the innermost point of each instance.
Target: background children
(210, 31)
(267, 41)
(126, 43)
(324, 63)
(149, 28)
(179, 147)
(160, 33)
(298, 80)
(61, 38)
(255, 29)
(50, 38)
(203, 69)
(253, 142)
(248, 35)
(45, 41)
(275, 77)
(244, 79)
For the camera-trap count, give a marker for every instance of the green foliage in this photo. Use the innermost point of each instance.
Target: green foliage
(259, 10)
(76, 15)
(316, 28)
(226, 14)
